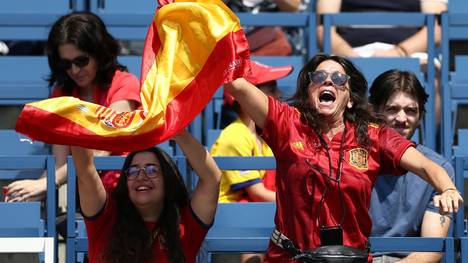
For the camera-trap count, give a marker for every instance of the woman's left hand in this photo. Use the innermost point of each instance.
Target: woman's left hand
(27, 190)
(448, 201)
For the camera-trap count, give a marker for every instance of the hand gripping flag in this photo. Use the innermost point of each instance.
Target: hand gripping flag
(191, 48)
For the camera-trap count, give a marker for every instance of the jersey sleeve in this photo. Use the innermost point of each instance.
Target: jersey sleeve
(392, 146)
(193, 232)
(96, 224)
(279, 124)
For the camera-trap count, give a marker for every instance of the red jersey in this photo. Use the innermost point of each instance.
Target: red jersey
(124, 86)
(99, 228)
(302, 175)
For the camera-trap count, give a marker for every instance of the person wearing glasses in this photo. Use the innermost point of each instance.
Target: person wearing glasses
(149, 217)
(82, 58)
(329, 149)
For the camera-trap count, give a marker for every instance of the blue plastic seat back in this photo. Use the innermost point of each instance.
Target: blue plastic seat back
(23, 79)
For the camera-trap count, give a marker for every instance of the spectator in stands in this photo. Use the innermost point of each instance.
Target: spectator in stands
(83, 62)
(383, 42)
(240, 138)
(149, 216)
(329, 151)
(272, 41)
(403, 206)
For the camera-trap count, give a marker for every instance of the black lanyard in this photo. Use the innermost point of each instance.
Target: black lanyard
(330, 175)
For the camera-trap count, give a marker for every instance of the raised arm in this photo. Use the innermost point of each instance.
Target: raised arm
(252, 100)
(449, 199)
(205, 197)
(90, 187)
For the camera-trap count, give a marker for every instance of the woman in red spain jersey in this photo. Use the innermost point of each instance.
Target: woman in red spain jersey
(329, 149)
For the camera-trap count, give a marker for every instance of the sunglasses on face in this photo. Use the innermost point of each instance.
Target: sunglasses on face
(80, 61)
(320, 76)
(150, 171)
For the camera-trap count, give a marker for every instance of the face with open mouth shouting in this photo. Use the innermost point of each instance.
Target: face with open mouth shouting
(329, 90)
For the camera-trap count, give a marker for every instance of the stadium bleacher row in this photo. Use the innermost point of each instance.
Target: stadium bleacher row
(22, 80)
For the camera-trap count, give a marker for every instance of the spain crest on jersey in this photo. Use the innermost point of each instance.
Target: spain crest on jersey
(358, 158)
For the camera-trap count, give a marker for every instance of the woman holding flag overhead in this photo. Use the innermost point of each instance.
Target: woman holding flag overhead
(149, 216)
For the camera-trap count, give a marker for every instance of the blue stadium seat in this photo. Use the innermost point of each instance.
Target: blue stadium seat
(31, 19)
(21, 223)
(461, 174)
(454, 93)
(133, 63)
(23, 79)
(211, 137)
(24, 219)
(15, 144)
(125, 20)
(454, 27)
(241, 227)
(372, 67)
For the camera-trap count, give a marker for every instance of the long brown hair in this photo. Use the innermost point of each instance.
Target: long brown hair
(130, 240)
(88, 33)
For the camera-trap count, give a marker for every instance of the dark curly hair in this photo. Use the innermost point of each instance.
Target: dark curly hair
(395, 80)
(359, 114)
(129, 230)
(88, 33)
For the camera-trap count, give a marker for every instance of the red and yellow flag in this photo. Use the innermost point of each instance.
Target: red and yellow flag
(191, 48)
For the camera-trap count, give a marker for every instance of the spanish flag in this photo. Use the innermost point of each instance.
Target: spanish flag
(192, 47)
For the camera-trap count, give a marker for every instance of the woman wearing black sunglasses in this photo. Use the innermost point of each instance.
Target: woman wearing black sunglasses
(149, 216)
(329, 149)
(83, 62)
